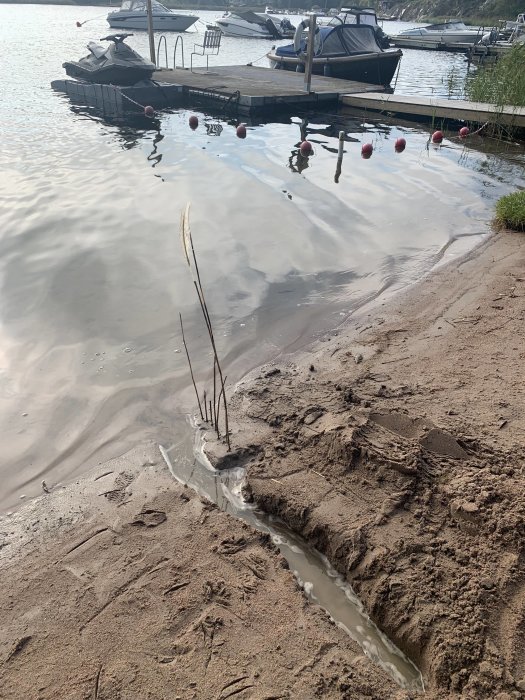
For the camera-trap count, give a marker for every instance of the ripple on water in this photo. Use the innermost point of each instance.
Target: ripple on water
(90, 257)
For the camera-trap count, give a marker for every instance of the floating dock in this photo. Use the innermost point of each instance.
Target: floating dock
(116, 101)
(243, 89)
(254, 89)
(251, 90)
(437, 109)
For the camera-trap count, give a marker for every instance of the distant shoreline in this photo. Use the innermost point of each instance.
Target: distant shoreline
(219, 7)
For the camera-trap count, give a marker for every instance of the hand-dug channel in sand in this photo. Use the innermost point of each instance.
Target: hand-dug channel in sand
(321, 583)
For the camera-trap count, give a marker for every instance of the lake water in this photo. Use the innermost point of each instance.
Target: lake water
(91, 269)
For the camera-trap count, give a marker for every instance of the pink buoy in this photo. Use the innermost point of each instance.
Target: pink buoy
(366, 150)
(437, 137)
(400, 145)
(193, 121)
(241, 131)
(464, 132)
(149, 111)
(306, 148)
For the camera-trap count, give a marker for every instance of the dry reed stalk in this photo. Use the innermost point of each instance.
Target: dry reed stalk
(191, 369)
(219, 401)
(187, 244)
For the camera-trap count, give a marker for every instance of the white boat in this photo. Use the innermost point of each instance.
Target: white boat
(448, 33)
(133, 14)
(255, 25)
(519, 23)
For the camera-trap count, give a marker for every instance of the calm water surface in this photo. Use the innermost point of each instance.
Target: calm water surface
(91, 271)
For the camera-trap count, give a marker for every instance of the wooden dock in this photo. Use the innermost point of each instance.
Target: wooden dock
(253, 89)
(437, 108)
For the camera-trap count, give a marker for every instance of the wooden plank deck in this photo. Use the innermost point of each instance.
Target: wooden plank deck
(259, 88)
(437, 108)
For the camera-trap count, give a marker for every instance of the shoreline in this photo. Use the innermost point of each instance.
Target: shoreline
(394, 447)
(128, 584)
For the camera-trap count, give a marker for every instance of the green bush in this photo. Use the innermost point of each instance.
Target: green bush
(502, 83)
(510, 211)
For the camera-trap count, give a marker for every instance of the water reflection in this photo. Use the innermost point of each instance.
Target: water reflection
(90, 264)
(298, 161)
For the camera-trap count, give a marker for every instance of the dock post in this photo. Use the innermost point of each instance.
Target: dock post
(150, 33)
(310, 54)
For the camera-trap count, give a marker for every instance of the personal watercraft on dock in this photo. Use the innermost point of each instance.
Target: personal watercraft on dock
(116, 64)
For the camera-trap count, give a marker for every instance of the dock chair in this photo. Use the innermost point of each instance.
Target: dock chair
(209, 47)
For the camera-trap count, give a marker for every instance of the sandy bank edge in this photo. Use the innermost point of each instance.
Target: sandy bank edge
(396, 449)
(126, 584)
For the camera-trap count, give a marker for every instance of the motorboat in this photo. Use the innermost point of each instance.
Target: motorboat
(348, 47)
(133, 14)
(117, 63)
(447, 33)
(255, 25)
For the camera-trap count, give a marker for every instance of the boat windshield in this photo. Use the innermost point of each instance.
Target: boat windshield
(350, 15)
(248, 16)
(140, 6)
(447, 25)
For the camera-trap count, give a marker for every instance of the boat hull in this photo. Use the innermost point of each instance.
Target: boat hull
(231, 29)
(112, 75)
(169, 22)
(375, 68)
(444, 37)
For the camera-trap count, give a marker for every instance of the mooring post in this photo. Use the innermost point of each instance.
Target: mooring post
(150, 32)
(340, 151)
(310, 53)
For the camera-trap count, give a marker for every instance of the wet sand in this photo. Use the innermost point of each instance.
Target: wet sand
(128, 585)
(395, 447)
(397, 450)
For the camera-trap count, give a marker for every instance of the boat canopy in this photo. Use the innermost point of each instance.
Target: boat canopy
(344, 40)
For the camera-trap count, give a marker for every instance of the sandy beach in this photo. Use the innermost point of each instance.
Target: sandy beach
(394, 446)
(397, 450)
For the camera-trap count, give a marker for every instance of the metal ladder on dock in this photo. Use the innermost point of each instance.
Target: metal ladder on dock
(163, 43)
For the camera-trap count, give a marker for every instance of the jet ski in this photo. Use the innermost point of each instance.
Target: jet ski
(117, 63)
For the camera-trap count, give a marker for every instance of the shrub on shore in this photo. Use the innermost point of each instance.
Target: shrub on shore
(510, 211)
(502, 83)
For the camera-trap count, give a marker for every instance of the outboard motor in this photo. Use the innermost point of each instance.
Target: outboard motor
(489, 38)
(274, 32)
(381, 38)
(286, 25)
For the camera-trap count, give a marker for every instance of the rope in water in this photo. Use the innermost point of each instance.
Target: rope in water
(147, 109)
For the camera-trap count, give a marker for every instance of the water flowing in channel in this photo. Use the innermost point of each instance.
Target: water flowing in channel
(319, 580)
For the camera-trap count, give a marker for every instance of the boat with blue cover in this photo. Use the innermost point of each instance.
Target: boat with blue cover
(350, 46)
